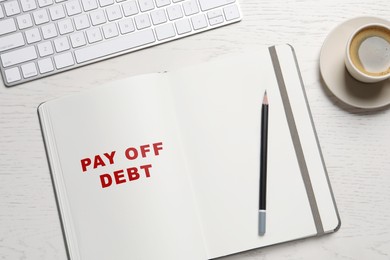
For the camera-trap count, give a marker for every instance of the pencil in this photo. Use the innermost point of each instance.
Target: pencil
(263, 165)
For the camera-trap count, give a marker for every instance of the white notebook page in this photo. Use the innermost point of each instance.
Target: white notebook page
(219, 117)
(147, 218)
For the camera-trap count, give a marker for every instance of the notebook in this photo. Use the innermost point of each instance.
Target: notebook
(166, 165)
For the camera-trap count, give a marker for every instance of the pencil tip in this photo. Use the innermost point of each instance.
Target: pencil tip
(265, 98)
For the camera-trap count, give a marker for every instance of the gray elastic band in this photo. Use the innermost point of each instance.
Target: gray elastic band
(296, 141)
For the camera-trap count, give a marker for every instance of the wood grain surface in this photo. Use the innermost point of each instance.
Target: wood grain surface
(355, 143)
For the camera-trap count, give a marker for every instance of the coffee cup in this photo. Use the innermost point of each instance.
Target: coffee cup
(367, 56)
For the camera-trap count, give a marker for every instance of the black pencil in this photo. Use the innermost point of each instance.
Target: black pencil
(263, 165)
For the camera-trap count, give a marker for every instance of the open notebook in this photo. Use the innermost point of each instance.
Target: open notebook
(166, 166)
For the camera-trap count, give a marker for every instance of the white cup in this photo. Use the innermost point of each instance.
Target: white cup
(367, 56)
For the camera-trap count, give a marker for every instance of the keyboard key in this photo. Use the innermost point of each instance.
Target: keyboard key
(57, 12)
(65, 26)
(28, 5)
(78, 39)
(231, 12)
(61, 44)
(174, 12)
(63, 60)
(11, 41)
(106, 2)
(89, 5)
(146, 5)
(73, 7)
(214, 13)
(24, 21)
(45, 65)
(94, 35)
(158, 16)
(49, 31)
(142, 21)
(12, 75)
(11, 8)
(81, 22)
(18, 56)
(161, 3)
(126, 26)
(130, 8)
(190, 7)
(199, 21)
(110, 31)
(29, 70)
(183, 26)
(33, 35)
(98, 17)
(45, 49)
(215, 17)
(114, 13)
(216, 20)
(126, 42)
(210, 4)
(1, 12)
(43, 3)
(165, 31)
(7, 26)
(40, 16)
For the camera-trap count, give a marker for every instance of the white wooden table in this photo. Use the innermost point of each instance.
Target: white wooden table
(355, 143)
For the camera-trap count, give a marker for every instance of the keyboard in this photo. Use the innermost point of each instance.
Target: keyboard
(39, 38)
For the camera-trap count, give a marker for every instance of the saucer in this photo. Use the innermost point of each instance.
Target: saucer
(336, 76)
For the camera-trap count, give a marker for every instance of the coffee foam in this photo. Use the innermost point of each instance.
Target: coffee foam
(370, 51)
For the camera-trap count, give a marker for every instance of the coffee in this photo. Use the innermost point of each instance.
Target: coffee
(369, 51)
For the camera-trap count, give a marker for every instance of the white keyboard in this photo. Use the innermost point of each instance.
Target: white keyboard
(44, 37)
